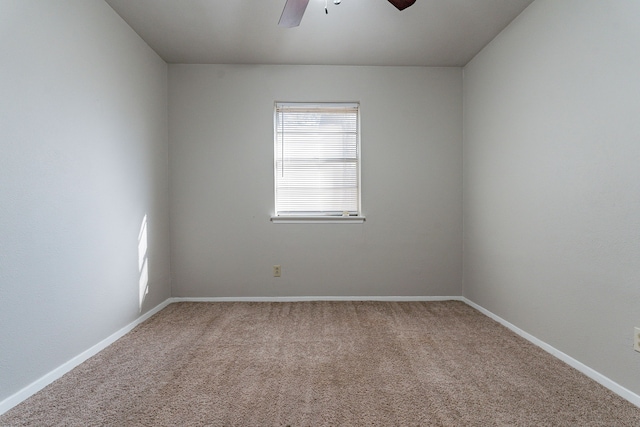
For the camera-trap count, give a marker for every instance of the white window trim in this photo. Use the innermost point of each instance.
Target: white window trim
(325, 219)
(293, 219)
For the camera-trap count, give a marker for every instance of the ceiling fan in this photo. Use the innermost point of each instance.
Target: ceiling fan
(294, 10)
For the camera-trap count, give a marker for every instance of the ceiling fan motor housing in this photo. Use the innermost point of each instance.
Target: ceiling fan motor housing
(402, 4)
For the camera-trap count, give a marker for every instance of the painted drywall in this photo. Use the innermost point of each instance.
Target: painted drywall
(83, 114)
(552, 180)
(221, 184)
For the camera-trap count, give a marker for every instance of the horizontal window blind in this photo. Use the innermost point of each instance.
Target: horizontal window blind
(317, 159)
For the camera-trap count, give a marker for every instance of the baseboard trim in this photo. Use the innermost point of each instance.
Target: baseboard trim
(591, 373)
(315, 298)
(58, 372)
(50, 377)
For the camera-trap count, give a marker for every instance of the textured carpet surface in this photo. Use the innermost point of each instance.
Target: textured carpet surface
(323, 363)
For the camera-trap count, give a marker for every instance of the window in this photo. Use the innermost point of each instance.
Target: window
(317, 162)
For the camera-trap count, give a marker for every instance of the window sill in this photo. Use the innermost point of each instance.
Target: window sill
(317, 219)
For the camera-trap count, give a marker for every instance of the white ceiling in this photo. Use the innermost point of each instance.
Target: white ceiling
(356, 32)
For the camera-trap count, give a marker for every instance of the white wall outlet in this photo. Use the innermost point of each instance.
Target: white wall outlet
(277, 271)
(636, 338)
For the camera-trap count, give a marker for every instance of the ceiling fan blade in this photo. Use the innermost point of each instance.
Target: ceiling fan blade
(292, 13)
(402, 4)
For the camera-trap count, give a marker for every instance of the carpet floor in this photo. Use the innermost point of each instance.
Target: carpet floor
(323, 364)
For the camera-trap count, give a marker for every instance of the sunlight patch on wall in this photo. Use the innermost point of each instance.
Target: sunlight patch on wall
(143, 264)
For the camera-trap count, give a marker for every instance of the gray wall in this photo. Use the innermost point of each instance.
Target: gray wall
(221, 167)
(552, 180)
(84, 159)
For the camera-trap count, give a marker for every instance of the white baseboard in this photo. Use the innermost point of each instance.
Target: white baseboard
(47, 379)
(591, 373)
(50, 377)
(315, 298)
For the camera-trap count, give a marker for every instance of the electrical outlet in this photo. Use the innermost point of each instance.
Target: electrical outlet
(636, 338)
(277, 271)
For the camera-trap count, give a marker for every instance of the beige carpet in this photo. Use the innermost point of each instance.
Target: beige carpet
(323, 363)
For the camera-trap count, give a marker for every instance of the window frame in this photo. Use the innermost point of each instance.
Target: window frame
(319, 218)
